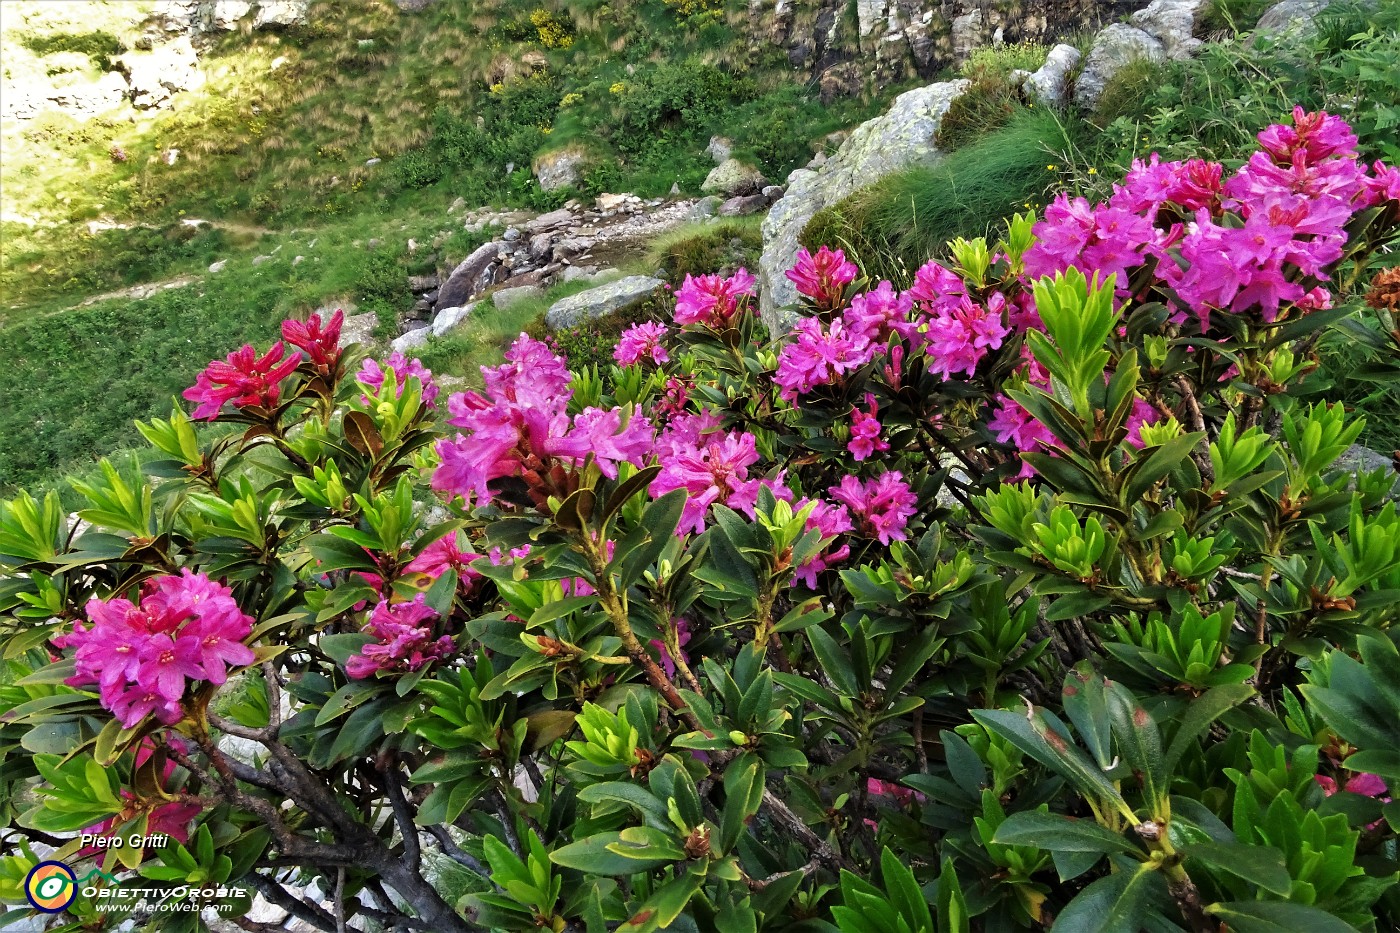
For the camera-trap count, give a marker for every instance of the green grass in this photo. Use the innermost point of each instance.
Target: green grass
(702, 248)
(894, 226)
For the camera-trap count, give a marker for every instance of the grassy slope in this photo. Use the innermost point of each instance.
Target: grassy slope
(277, 156)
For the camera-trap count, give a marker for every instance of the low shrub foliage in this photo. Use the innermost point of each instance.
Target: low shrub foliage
(1025, 597)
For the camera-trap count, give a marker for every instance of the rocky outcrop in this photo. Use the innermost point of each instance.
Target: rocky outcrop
(1174, 24)
(154, 77)
(900, 138)
(732, 177)
(198, 17)
(470, 276)
(1050, 83)
(562, 168)
(1114, 49)
(1291, 17)
(602, 300)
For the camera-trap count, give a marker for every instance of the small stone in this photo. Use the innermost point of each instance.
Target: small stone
(449, 319)
(298, 260)
(506, 298)
(773, 193)
(218, 266)
(675, 188)
(373, 161)
(743, 206)
(512, 234)
(259, 260)
(456, 206)
(374, 243)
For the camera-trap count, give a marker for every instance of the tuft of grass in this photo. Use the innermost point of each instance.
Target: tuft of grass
(702, 248)
(894, 226)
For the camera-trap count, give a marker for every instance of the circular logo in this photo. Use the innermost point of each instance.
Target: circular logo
(51, 887)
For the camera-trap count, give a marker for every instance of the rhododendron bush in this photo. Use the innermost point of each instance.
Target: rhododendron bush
(1026, 596)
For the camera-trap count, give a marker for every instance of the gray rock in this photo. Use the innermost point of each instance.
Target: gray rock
(561, 168)
(743, 206)
(969, 33)
(901, 137)
(358, 328)
(511, 235)
(1358, 459)
(1115, 48)
(719, 149)
(705, 207)
(412, 339)
(733, 177)
(1290, 18)
(449, 319)
(456, 205)
(1174, 23)
(1050, 83)
(218, 266)
(281, 13)
(466, 279)
(600, 301)
(773, 192)
(154, 77)
(227, 13)
(675, 188)
(549, 221)
(506, 298)
(423, 283)
(569, 247)
(575, 273)
(540, 244)
(259, 260)
(611, 202)
(373, 161)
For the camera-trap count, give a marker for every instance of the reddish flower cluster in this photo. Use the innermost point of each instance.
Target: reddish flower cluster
(244, 379)
(142, 657)
(170, 819)
(321, 342)
(403, 643)
(823, 277)
(880, 507)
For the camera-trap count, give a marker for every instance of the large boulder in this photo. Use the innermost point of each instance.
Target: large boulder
(1116, 47)
(155, 76)
(562, 168)
(900, 138)
(1173, 23)
(732, 177)
(1050, 83)
(1291, 17)
(281, 13)
(506, 298)
(468, 278)
(601, 301)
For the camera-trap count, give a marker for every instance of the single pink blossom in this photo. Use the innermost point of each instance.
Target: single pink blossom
(865, 431)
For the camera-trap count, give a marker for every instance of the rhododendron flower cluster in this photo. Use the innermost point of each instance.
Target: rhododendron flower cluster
(713, 300)
(823, 277)
(403, 643)
(321, 342)
(831, 521)
(820, 355)
(865, 431)
(713, 469)
(185, 629)
(522, 428)
(446, 554)
(880, 508)
(372, 374)
(959, 337)
(244, 379)
(642, 341)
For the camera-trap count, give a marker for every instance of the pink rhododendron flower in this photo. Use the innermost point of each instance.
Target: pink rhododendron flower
(243, 378)
(959, 337)
(1190, 185)
(522, 428)
(403, 643)
(823, 277)
(373, 375)
(1383, 184)
(142, 657)
(820, 356)
(712, 300)
(876, 314)
(865, 431)
(716, 471)
(443, 555)
(321, 342)
(830, 520)
(497, 557)
(937, 288)
(1312, 138)
(879, 508)
(688, 429)
(1097, 238)
(642, 341)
